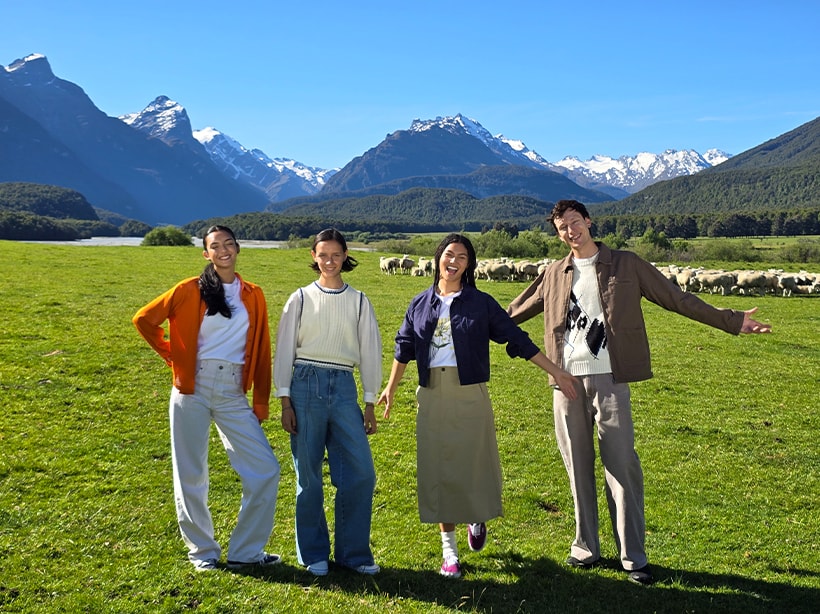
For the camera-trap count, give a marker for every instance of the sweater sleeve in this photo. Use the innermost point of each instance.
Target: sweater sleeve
(286, 338)
(370, 344)
(149, 323)
(262, 363)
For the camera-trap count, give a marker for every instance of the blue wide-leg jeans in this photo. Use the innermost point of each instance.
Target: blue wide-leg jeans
(328, 417)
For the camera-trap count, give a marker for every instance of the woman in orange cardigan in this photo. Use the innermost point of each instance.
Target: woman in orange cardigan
(218, 349)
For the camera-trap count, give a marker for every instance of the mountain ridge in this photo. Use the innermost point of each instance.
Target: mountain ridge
(152, 165)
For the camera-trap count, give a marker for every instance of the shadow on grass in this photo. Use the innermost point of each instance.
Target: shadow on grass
(543, 585)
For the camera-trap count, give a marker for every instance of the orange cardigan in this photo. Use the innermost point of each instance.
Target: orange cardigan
(184, 310)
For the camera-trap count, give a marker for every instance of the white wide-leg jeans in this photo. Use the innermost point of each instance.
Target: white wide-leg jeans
(219, 397)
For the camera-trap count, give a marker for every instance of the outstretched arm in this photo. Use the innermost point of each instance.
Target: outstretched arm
(751, 326)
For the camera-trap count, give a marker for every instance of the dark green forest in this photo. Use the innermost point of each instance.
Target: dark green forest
(742, 190)
(37, 212)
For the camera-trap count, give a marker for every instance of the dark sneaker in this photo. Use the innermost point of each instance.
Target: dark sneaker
(451, 568)
(368, 570)
(318, 568)
(641, 576)
(265, 561)
(477, 536)
(579, 564)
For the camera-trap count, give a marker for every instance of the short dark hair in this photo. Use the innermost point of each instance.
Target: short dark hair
(562, 206)
(469, 275)
(331, 234)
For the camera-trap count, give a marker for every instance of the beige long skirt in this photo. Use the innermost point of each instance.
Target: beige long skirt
(458, 469)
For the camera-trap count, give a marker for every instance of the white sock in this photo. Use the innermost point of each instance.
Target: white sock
(449, 547)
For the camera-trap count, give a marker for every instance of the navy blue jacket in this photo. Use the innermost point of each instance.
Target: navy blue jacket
(476, 318)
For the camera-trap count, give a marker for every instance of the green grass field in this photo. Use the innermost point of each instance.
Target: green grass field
(725, 432)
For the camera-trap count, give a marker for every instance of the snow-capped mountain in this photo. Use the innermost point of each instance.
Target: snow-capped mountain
(51, 132)
(633, 173)
(163, 119)
(510, 151)
(279, 178)
(716, 156)
(616, 176)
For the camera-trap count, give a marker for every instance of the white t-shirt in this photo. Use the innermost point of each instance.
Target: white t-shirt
(224, 338)
(442, 350)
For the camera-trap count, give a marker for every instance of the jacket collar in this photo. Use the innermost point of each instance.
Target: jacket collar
(604, 257)
(466, 292)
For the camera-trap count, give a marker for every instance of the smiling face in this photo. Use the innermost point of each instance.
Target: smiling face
(574, 230)
(329, 256)
(453, 263)
(221, 249)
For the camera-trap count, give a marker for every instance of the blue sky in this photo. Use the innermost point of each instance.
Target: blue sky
(324, 81)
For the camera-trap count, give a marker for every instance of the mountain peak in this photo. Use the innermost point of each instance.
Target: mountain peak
(633, 173)
(35, 66)
(455, 124)
(164, 119)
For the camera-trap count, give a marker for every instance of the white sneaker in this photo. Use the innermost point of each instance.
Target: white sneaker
(205, 565)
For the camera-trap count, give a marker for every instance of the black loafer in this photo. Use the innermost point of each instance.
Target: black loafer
(641, 576)
(578, 564)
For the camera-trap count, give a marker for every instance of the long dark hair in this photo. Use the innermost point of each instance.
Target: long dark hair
(331, 234)
(210, 286)
(468, 278)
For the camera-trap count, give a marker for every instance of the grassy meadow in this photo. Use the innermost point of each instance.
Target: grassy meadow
(726, 432)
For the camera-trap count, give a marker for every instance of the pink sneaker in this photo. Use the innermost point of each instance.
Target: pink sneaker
(477, 536)
(451, 568)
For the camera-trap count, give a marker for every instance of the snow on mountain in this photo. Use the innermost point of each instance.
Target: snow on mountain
(278, 178)
(163, 119)
(633, 173)
(511, 152)
(281, 178)
(716, 156)
(625, 174)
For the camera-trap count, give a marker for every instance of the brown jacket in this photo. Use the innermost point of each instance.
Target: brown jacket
(623, 279)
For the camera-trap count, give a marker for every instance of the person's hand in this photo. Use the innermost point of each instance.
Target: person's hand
(568, 384)
(289, 419)
(370, 425)
(386, 399)
(751, 326)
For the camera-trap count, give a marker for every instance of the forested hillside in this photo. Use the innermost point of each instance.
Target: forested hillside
(31, 211)
(783, 173)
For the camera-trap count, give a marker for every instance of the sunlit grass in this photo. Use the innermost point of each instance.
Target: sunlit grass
(726, 432)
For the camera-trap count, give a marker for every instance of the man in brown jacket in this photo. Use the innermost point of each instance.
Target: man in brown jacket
(594, 328)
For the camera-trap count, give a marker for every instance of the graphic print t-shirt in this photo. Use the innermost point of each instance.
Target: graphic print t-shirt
(585, 347)
(442, 350)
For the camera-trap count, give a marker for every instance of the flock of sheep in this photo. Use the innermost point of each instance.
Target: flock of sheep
(689, 279)
(773, 281)
(497, 269)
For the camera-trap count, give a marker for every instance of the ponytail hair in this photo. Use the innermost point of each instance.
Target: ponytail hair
(331, 234)
(210, 285)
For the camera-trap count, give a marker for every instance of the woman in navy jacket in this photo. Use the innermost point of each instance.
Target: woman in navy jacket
(447, 330)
